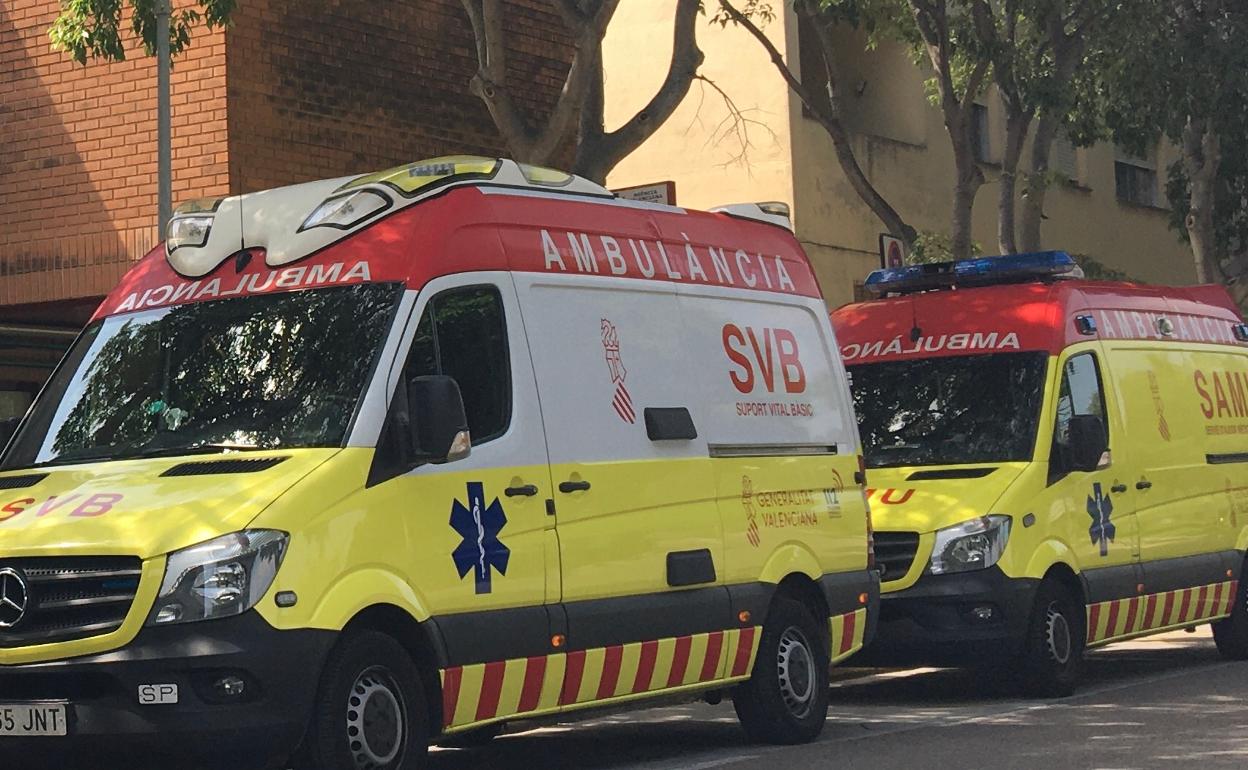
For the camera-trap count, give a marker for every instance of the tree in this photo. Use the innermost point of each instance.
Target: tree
(91, 29)
(829, 112)
(960, 67)
(577, 115)
(1036, 48)
(1185, 78)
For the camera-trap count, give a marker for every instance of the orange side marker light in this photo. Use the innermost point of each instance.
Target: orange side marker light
(862, 598)
(557, 640)
(744, 616)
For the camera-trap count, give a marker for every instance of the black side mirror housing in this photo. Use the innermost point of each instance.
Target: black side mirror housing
(439, 424)
(1088, 444)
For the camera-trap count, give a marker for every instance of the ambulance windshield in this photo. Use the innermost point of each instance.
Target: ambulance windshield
(262, 372)
(949, 410)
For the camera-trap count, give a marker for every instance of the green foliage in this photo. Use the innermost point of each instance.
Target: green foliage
(92, 29)
(1095, 270)
(931, 247)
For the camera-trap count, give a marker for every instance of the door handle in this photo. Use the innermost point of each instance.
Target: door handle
(1118, 489)
(573, 486)
(525, 490)
(1143, 485)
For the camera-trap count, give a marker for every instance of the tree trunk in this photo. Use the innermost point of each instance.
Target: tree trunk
(969, 178)
(1037, 183)
(1016, 124)
(829, 116)
(1201, 157)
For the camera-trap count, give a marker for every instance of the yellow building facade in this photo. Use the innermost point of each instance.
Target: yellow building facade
(1110, 209)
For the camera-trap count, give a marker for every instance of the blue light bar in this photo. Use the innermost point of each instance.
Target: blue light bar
(983, 271)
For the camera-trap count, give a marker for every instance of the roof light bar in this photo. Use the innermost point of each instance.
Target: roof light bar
(983, 271)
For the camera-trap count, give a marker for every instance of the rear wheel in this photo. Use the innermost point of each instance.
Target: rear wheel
(1231, 634)
(370, 711)
(786, 698)
(1053, 655)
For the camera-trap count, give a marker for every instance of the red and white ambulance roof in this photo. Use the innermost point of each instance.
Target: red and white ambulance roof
(1039, 316)
(444, 216)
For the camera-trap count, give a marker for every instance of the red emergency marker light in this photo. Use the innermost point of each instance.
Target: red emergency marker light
(984, 271)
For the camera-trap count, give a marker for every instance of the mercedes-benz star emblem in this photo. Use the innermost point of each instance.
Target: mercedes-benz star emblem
(14, 597)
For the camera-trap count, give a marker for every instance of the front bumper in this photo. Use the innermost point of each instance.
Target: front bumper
(935, 622)
(280, 670)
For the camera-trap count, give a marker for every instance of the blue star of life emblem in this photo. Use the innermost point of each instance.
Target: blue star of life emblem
(1100, 507)
(480, 551)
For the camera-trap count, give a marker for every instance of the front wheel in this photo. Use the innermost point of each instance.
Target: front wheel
(1231, 634)
(370, 711)
(785, 700)
(1053, 654)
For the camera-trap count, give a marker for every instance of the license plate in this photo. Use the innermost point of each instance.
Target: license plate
(33, 720)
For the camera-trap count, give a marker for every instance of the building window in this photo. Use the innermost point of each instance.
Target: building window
(1135, 177)
(1064, 158)
(980, 143)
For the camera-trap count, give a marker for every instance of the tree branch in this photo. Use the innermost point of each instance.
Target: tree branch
(610, 149)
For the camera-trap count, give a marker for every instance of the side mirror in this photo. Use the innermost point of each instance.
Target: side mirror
(438, 422)
(1088, 444)
(7, 429)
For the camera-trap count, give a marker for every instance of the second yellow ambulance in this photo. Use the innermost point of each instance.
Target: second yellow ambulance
(1055, 463)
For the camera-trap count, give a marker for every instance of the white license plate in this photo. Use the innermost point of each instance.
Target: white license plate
(33, 720)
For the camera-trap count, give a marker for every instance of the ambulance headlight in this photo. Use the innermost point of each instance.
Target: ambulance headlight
(971, 545)
(347, 211)
(220, 578)
(191, 230)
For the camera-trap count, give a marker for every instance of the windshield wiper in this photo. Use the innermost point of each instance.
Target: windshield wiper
(172, 451)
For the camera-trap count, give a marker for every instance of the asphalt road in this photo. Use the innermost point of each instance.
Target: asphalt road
(1164, 702)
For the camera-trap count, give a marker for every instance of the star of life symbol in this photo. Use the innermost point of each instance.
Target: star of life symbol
(1100, 508)
(747, 502)
(481, 551)
(622, 402)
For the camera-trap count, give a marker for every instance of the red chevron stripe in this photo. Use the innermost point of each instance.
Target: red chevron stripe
(1133, 607)
(645, 666)
(1201, 609)
(491, 690)
(450, 693)
(847, 634)
(1169, 607)
(1230, 599)
(1150, 612)
(1094, 614)
(1111, 623)
(534, 677)
(680, 661)
(745, 648)
(1187, 600)
(1215, 607)
(572, 677)
(714, 648)
(610, 672)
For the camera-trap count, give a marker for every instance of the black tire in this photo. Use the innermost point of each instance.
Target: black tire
(1052, 656)
(371, 712)
(1231, 634)
(785, 700)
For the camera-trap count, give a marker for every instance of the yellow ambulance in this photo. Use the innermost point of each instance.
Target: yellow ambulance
(346, 468)
(1055, 463)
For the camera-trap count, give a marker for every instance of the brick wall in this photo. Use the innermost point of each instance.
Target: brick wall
(316, 88)
(78, 158)
(321, 88)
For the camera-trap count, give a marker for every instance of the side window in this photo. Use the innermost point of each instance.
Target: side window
(1080, 395)
(463, 334)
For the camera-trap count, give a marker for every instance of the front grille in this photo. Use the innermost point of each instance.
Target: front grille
(894, 553)
(72, 597)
